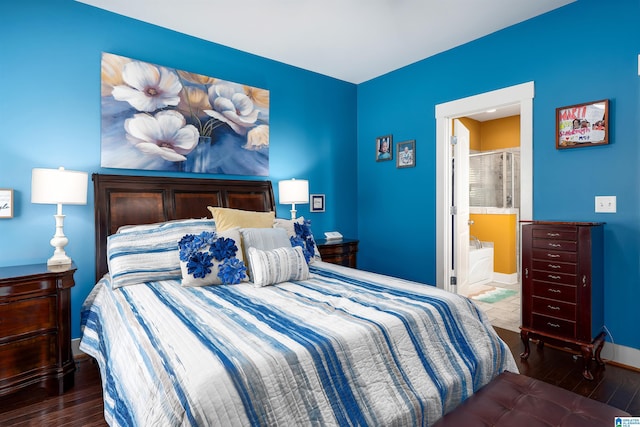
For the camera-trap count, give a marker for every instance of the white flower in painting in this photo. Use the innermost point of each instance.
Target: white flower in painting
(232, 107)
(165, 134)
(258, 138)
(148, 88)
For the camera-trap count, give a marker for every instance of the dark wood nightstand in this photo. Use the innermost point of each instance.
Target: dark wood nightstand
(341, 252)
(35, 328)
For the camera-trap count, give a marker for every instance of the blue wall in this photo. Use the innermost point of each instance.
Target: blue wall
(585, 51)
(50, 115)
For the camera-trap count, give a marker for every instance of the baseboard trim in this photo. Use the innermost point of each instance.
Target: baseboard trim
(75, 349)
(620, 355)
(507, 279)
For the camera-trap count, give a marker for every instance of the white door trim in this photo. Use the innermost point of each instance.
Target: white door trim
(445, 113)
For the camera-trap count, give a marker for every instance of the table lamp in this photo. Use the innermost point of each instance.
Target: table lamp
(293, 191)
(58, 187)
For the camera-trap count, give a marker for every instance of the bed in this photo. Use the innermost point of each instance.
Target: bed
(340, 347)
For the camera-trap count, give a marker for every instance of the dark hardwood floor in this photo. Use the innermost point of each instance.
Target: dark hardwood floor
(82, 405)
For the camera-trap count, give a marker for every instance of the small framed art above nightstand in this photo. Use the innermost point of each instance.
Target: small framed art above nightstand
(341, 252)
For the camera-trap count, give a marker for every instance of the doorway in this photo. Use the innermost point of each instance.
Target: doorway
(452, 216)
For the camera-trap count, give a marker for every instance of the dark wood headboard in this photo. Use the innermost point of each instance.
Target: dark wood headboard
(125, 200)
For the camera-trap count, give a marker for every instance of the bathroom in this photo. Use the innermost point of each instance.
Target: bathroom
(494, 201)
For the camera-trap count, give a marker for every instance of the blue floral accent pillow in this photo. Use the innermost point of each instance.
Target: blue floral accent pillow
(211, 258)
(300, 234)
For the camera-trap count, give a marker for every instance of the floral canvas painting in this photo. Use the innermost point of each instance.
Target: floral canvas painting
(159, 118)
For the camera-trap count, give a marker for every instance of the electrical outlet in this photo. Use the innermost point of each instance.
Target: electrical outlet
(606, 204)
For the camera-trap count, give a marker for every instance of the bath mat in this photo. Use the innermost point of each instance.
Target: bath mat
(494, 295)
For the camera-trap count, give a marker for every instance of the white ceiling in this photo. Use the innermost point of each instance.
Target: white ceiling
(351, 40)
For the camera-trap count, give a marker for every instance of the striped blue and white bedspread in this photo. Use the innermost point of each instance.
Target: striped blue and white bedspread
(345, 347)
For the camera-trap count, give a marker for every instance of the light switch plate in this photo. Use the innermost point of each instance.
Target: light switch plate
(606, 204)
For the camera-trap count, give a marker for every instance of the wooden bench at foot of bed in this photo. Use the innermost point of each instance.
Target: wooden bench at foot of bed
(517, 400)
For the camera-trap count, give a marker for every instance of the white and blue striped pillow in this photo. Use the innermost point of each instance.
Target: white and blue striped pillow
(277, 265)
(146, 255)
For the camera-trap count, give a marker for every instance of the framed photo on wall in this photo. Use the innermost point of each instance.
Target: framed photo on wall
(406, 155)
(582, 125)
(317, 203)
(384, 148)
(6, 203)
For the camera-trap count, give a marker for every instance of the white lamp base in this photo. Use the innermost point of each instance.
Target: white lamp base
(59, 241)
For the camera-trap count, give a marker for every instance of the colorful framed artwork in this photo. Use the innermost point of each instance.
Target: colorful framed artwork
(406, 155)
(316, 203)
(582, 125)
(6, 203)
(384, 147)
(163, 119)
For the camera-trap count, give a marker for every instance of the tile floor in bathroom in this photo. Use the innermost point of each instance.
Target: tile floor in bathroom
(504, 313)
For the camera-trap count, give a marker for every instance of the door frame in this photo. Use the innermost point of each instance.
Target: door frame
(445, 113)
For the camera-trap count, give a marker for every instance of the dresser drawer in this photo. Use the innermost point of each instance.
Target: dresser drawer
(25, 316)
(556, 245)
(553, 277)
(35, 333)
(557, 256)
(554, 326)
(555, 267)
(26, 355)
(555, 233)
(554, 308)
(555, 291)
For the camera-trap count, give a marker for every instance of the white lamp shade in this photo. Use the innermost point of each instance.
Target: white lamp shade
(59, 186)
(293, 191)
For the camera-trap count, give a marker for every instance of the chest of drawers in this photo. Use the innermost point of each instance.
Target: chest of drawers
(562, 287)
(35, 330)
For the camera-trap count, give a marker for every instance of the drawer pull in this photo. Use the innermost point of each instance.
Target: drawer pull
(526, 272)
(584, 281)
(553, 234)
(555, 245)
(554, 266)
(553, 276)
(553, 325)
(555, 291)
(553, 307)
(553, 255)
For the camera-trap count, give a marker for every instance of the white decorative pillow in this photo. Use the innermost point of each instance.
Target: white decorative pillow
(265, 238)
(300, 234)
(150, 253)
(210, 258)
(277, 265)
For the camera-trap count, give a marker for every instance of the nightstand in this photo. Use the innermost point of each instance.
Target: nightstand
(341, 252)
(35, 328)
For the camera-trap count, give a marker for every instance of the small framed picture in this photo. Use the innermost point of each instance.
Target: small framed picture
(317, 202)
(406, 155)
(384, 148)
(582, 125)
(6, 203)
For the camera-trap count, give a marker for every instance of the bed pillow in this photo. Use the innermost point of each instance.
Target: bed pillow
(211, 258)
(299, 231)
(227, 218)
(206, 222)
(265, 238)
(277, 265)
(149, 253)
